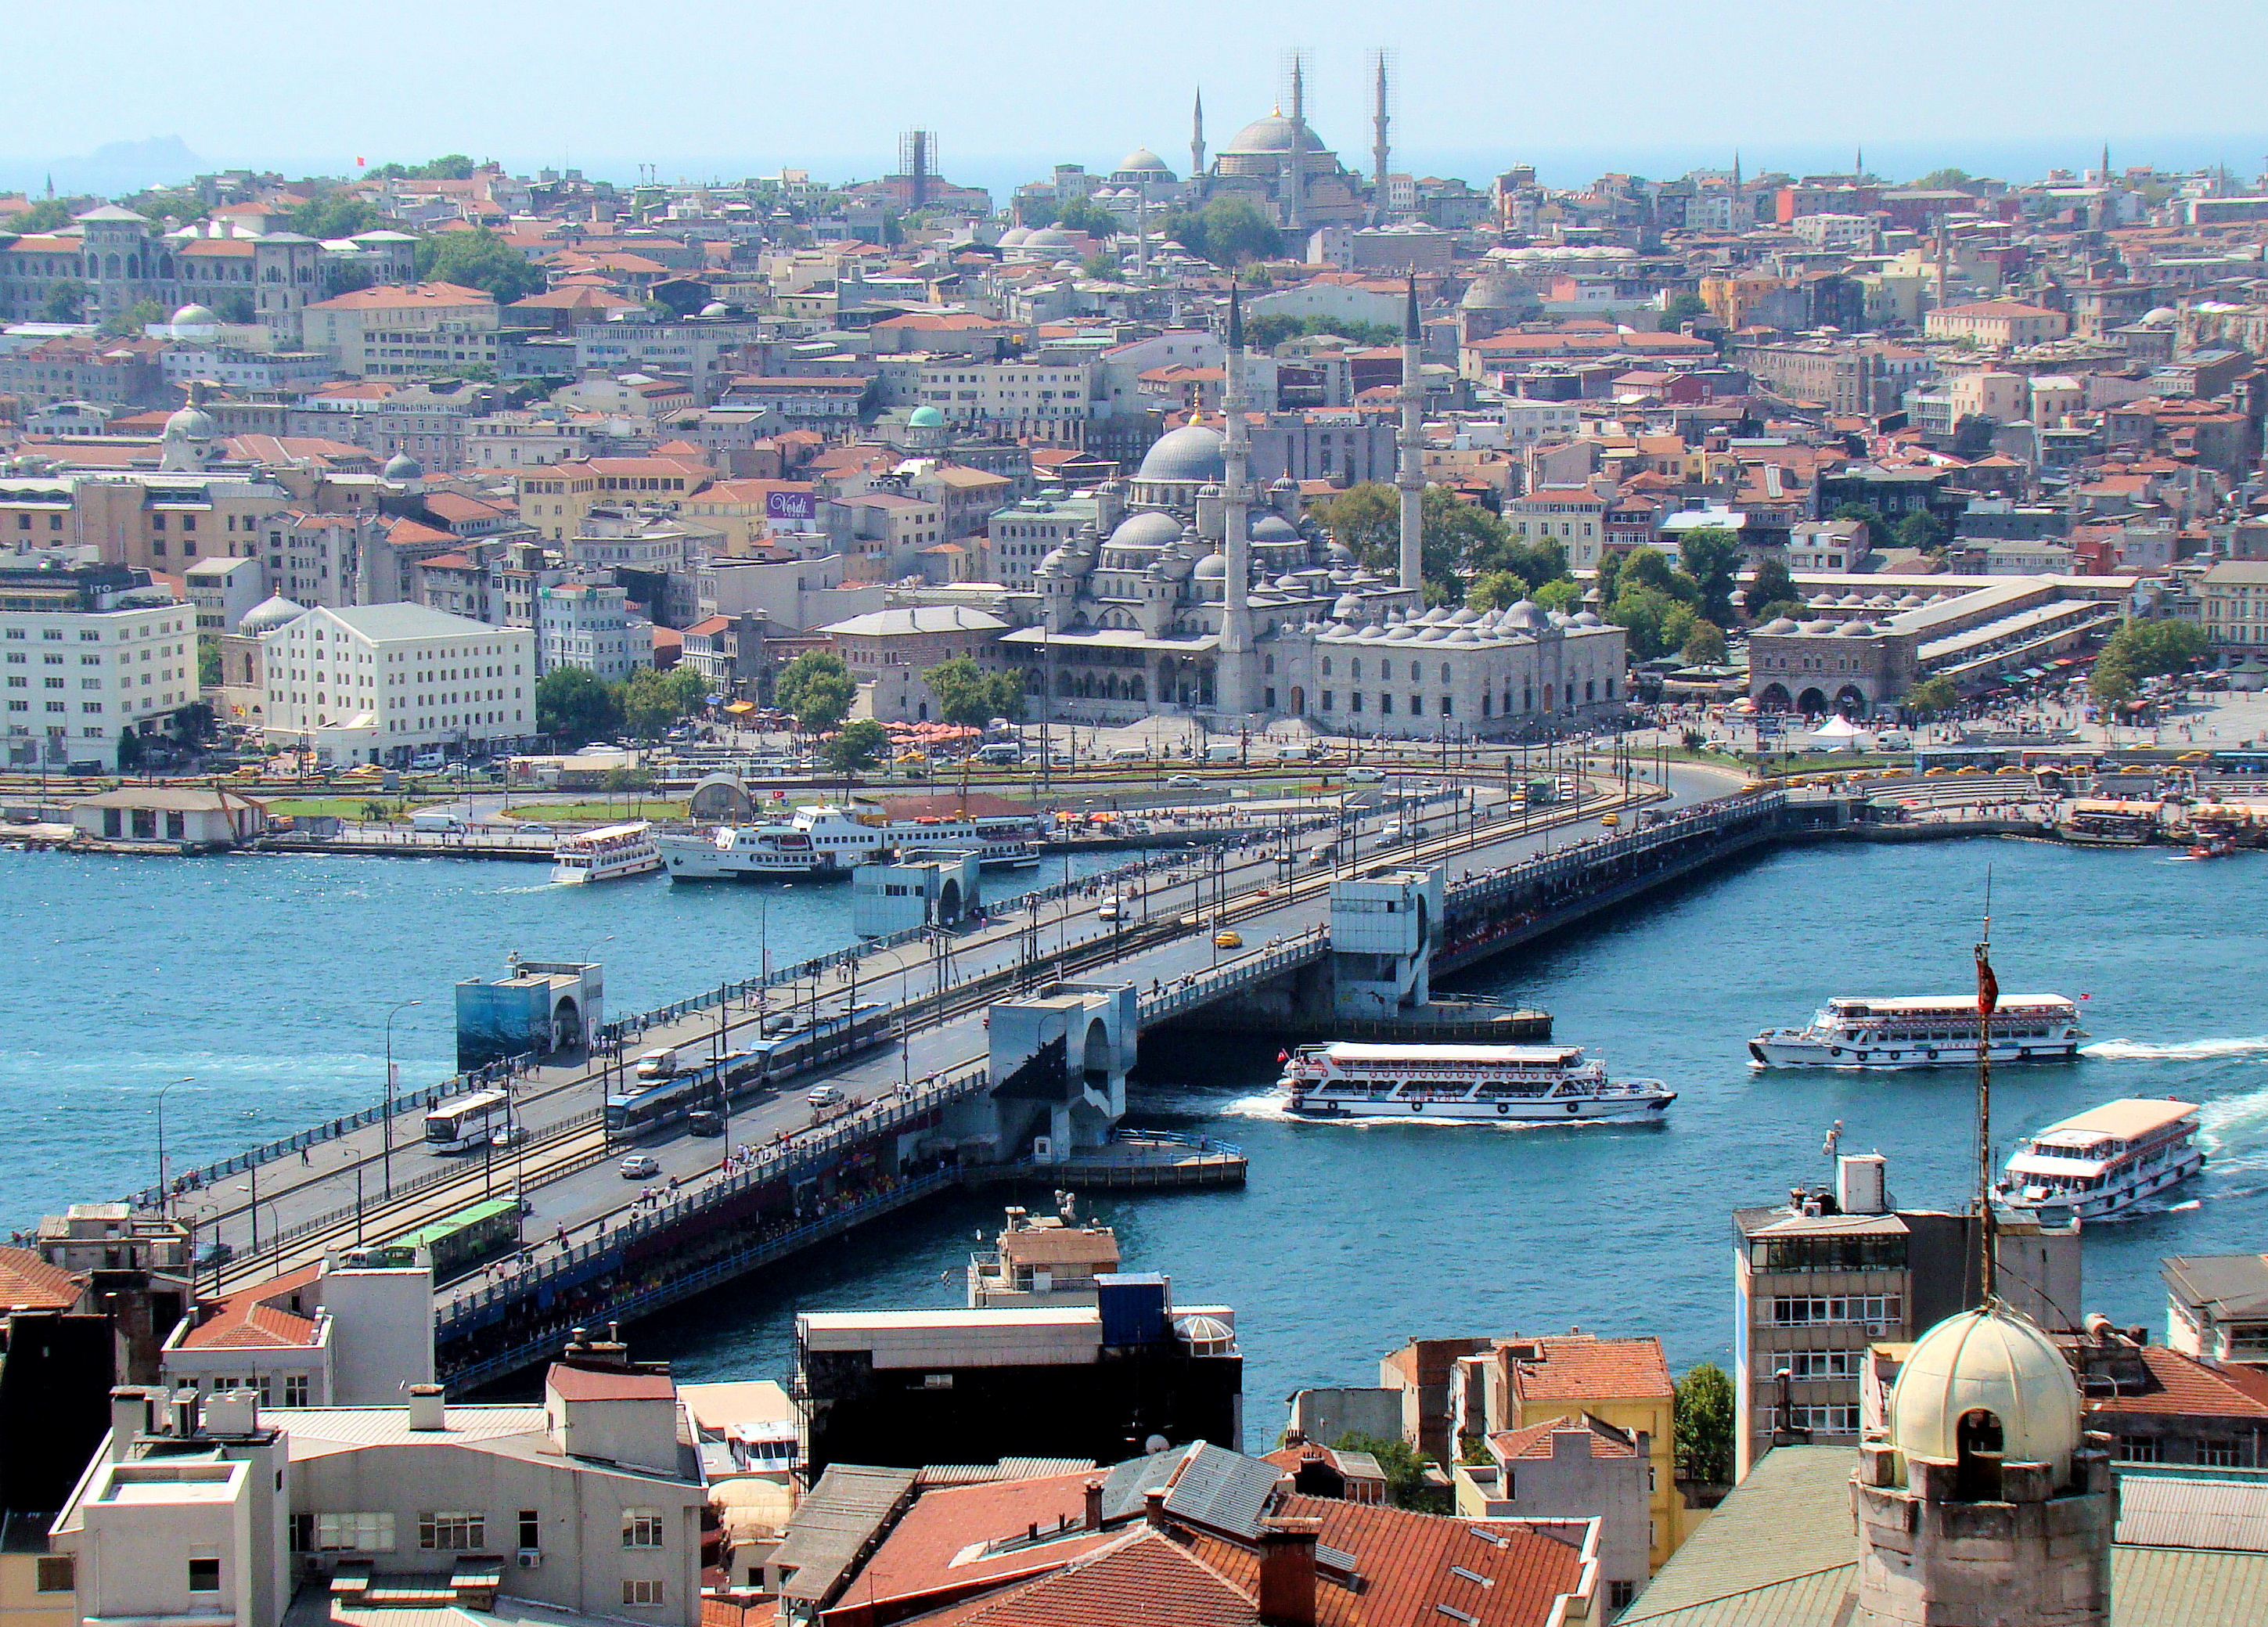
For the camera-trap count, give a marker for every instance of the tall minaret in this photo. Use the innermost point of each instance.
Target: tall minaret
(1295, 167)
(1381, 148)
(1236, 488)
(1197, 143)
(1142, 230)
(1410, 467)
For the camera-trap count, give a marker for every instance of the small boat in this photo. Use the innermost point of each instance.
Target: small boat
(607, 854)
(1489, 1084)
(1922, 1031)
(2104, 1160)
(2213, 847)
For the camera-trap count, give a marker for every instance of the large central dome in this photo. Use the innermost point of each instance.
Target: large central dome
(1273, 133)
(1192, 452)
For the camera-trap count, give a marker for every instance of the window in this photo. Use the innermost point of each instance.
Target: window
(1824, 1363)
(1619, 1594)
(448, 1529)
(1869, 1307)
(531, 1527)
(641, 1528)
(354, 1534)
(295, 1395)
(2217, 1455)
(641, 1592)
(57, 1574)
(204, 1576)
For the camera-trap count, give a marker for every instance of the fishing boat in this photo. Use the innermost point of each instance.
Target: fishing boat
(2105, 1160)
(1923, 1031)
(607, 854)
(1492, 1084)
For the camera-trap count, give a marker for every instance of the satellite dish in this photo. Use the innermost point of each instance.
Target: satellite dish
(1155, 1445)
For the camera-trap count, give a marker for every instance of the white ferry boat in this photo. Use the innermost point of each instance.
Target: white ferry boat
(1926, 1031)
(817, 844)
(1003, 841)
(605, 854)
(2105, 1160)
(1550, 1084)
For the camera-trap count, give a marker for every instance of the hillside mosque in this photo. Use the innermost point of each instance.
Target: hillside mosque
(1192, 593)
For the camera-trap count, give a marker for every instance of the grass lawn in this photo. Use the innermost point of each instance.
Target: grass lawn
(601, 811)
(345, 808)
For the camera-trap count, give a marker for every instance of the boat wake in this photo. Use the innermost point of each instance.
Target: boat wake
(2235, 1131)
(2192, 1050)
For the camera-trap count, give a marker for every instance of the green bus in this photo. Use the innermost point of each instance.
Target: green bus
(458, 1242)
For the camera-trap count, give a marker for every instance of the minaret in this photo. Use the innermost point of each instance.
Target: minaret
(1380, 149)
(2106, 163)
(1197, 143)
(1295, 168)
(1409, 466)
(1237, 486)
(1142, 230)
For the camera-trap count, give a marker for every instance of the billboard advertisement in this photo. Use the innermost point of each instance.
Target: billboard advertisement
(800, 506)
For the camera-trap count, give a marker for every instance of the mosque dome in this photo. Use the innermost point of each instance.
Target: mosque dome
(1989, 1361)
(1274, 528)
(1289, 584)
(1214, 568)
(924, 417)
(1149, 528)
(1526, 613)
(1855, 630)
(1142, 161)
(1493, 292)
(401, 466)
(1403, 629)
(716, 307)
(196, 316)
(269, 614)
(1823, 625)
(1912, 601)
(1049, 237)
(1192, 452)
(1338, 553)
(1346, 608)
(1585, 618)
(191, 423)
(1271, 134)
(1777, 624)
(1016, 237)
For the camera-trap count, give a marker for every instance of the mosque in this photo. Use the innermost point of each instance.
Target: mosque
(1194, 594)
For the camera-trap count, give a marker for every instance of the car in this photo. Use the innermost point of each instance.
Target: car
(1228, 941)
(212, 1256)
(510, 1135)
(704, 1122)
(823, 1095)
(1362, 774)
(1183, 782)
(536, 830)
(1610, 820)
(639, 1166)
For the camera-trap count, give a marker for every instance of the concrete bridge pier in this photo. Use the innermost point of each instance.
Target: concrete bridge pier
(1384, 927)
(1058, 1067)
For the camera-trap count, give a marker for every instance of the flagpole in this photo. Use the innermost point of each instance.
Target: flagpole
(1988, 997)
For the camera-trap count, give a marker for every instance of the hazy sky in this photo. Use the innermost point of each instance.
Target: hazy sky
(740, 89)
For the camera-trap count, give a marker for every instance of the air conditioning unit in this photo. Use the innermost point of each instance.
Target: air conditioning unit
(530, 1558)
(1877, 1329)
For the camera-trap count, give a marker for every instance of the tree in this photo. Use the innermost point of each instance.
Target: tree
(1772, 585)
(1405, 1471)
(855, 746)
(373, 812)
(208, 667)
(1644, 567)
(2140, 650)
(192, 722)
(331, 214)
(649, 706)
(1265, 332)
(129, 751)
(1456, 536)
(1533, 562)
(1607, 579)
(574, 705)
(46, 215)
(1711, 555)
(346, 277)
(1945, 179)
(129, 323)
(969, 697)
(817, 688)
(235, 308)
(1236, 230)
(1704, 645)
(1643, 613)
(1494, 590)
(1365, 519)
(1565, 595)
(66, 301)
(1681, 309)
(160, 201)
(1101, 267)
(1933, 697)
(1080, 215)
(448, 166)
(478, 259)
(1920, 532)
(1705, 1425)
(1877, 527)
(1032, 213)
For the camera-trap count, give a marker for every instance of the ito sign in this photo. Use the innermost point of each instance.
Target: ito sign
(802, 507)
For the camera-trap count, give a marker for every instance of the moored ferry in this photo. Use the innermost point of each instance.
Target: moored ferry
(1926, 1031)
(605, 854)
(1498, 1084)
(1003, 841)
(2105, 1160)
(817, 844)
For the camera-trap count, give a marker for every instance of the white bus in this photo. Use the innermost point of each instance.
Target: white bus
(464, 1123)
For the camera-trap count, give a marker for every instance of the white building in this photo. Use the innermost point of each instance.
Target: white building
(582, 624)
(329, 1335)
(86, 656)
(1528, 422)
(375, 683)
(1009, 397)
(224, 592)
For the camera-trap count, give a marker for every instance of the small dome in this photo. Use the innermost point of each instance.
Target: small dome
(401, 466)
(1585, 618)
(193, 424)
(1855, 630)
(924, 417)
(1149, 528)
(1192, 452)
(1214, 568)
(716, 307)
(269, 615)
(1996, 1363)
(1402, 630)
(1912, 601)
(1347, 609)
(1777, 625)
(1142, 161)
(1205, 1335)
(1823, 625)
(1273, 529)
(1433, 633)
(1016, 237)
(1526, 613)
(196, 316)
(1852, 601)
(1289, 584)
(1050, 237)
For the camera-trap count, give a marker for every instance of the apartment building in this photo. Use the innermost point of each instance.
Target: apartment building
(377, 683)
(406, 331)
(2003, 322)
(1572, 516)
(582, 624)
(88, 654)
(1014, 399)
(2232, 605)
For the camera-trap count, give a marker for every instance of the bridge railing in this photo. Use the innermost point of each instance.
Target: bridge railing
(1197, 988)
(1579, 856)
(781, 1160)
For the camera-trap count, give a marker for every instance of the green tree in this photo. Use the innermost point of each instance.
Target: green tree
(1533, 562)
(1704, 645)
(1920, 532)
(1771, 585)
(1267, 331)
(448, 166)
(1682, 308)
(1877, 527)
(1656, 622)
(1405, 1471)
(649, 704)
(969, 697)
(46, 215)
(129, 751)
(1032, 213)
(1933, 697)
(1102, 268)
(1494, 590)
(1711, 555)
(208, 667)
(235, 308)
(855, 746)
(66, 301)
(2140, 650)
(1607, 579)
(1565, 595)
(478, 259)
(1080, 215)
(345, 277)
(1644, 567)
(332, 214)
(160, 202)
(574, 705)
(817, 688)
(373, 812)
(1705, 1425)
(1945, 179)
(129, 323)
(1229, 231)
(1365, 519)
(1456, 536)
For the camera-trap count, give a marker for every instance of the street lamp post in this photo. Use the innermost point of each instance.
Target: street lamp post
(385, 1155)
(165, 1202)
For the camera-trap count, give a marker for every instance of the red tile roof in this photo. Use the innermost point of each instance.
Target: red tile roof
(29, 1283)
(1144, 1579)
(258, 1318)
(1583, 1367)
(1534, 1441)
(927, 1554)
(593, 1384)
(2188, 1387)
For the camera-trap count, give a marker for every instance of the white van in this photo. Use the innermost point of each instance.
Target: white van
(1296, 754)
(1224, 751)
(1109, 908)
(436, 822)
(1130, 754)
(1361, 774)
(428, 760)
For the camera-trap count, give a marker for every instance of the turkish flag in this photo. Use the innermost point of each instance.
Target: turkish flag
(1988, 987)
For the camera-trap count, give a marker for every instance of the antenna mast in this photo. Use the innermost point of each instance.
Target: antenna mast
(1988, 997)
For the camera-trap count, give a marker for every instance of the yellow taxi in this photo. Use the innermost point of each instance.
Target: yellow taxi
(1610, 819)
(1226, 939)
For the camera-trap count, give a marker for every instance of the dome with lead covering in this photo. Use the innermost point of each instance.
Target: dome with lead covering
(1149, 528)
(269, 615)
(196, 316)
(1192, 452)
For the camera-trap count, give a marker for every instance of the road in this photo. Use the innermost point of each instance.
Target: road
(568, 1173)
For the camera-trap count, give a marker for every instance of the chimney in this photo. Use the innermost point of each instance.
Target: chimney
(1094, 1504)
(1153, 1507)
(1287, 1571)
(132, 1414)
(427, 1407)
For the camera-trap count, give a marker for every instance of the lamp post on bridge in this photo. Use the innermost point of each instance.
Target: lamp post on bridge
(385, 1155)
(165, 1197)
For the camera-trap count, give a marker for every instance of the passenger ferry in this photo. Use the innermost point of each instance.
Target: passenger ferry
(817, 844)
(1003, 841)
(1927, 1031)
(2104, 1160)
(607, 854)
(1507, 1084)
